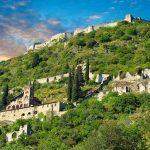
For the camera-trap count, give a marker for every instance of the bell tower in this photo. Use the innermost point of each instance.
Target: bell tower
(28, 94)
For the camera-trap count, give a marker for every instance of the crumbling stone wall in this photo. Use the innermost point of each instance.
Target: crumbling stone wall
(131, 86)
(12, 136)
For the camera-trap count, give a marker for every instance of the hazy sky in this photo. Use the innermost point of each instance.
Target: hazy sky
(23, 22)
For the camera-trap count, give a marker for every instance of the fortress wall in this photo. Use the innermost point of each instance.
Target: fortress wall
(113, 24)
(67, 35)
(28, 112)
(52, 79)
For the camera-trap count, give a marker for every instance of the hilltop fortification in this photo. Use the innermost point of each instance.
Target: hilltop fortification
(67, 35)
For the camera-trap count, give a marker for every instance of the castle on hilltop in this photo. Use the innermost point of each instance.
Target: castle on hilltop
(130, 18)
(67, 35)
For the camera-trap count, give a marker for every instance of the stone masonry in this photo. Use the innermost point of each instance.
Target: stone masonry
(12, 136)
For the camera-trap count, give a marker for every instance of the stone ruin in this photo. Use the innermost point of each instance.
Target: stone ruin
(12, 136)
(67, 35)
(132, 83)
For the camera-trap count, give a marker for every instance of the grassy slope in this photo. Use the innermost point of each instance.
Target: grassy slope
(125, 47)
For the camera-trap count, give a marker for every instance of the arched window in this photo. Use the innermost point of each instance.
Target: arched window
(14, 135)
(13, 107)
(9, 107)
(17, 107)
(26, 97)
(21, 105)
(25, 105)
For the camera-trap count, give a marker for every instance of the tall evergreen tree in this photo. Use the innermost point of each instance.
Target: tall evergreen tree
(73, 72)
(75, 88)
(5, 95)
(80, 75)
(36, 60)
(69, 92)
(87, 71)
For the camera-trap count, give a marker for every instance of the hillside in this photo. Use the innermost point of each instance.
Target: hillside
(125, 47)
(118, 122)
(114, 122)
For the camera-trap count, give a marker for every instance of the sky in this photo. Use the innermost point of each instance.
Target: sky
(23, 22)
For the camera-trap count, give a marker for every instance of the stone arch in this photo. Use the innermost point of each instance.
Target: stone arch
(13, 107)
(21, 105)
(29, 113)
(17, 106)
(8, 107)
(35, 112)
(25, 105)
(26, 97)
(23, 115)
(14, 135)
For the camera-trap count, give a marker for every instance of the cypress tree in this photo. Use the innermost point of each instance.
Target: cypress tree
(80, 75)
(5, 95)
(75, 88)
(73, 72)
(36, 60)
(87, 71)
(69, 94)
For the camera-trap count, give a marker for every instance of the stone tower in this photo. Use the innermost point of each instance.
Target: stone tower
(24, 99)
(129, 18)
(28, 95)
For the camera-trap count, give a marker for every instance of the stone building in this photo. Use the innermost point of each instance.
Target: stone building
(132, 83)
(12, 136)
(24, 99)
(129, 18)
(128, 77)
(131, 86)
(55, 109)
(25, 106)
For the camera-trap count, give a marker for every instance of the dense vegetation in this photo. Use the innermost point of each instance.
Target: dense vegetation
(117, 122)
(125, 47)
